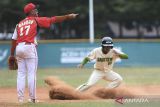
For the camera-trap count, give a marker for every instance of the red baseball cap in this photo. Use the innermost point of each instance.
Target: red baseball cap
(29, 7)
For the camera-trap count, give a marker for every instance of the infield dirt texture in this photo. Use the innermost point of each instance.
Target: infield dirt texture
(62, 83)
(58, 90)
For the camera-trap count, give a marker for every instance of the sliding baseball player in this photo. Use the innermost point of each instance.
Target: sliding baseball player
(105, 57)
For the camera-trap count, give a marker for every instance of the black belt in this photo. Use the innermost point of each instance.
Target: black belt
(28, 43)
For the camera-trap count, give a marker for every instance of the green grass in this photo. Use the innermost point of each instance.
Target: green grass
(104, 103)
(67, 104)
(75, 77)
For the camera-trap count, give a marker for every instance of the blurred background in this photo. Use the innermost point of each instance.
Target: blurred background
(115, 18)
(134, 26)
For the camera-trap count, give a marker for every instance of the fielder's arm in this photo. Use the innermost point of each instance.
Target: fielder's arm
(46, 22)
(13, 47)
(65, 17)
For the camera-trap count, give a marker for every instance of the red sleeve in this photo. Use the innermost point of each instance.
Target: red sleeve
(53, 19)
(45, 22)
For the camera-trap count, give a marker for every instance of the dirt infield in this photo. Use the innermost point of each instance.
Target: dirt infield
(59, 90)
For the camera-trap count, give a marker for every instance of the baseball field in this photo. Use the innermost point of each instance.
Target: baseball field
(137, 81)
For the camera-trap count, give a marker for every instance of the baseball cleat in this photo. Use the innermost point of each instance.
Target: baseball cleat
(20, 101)
(33, 101)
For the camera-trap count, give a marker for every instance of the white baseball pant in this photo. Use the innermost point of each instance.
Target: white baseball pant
(96, 75)
(27, 65)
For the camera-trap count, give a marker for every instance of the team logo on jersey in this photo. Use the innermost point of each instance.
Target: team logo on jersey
(109, 60)
(27, 22)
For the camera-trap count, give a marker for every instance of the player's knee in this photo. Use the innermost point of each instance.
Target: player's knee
(115, 83)
(119, 81)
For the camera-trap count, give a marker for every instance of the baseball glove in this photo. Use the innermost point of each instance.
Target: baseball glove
(12, 63)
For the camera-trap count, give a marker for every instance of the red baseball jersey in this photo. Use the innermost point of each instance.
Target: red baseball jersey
(27, 28)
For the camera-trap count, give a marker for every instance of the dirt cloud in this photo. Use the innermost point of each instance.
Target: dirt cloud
(60, 90)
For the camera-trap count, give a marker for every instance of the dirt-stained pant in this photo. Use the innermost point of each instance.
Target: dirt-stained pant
(114, 78)
(27, 66)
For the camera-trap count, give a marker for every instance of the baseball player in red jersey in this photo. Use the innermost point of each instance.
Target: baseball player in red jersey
(24, 43)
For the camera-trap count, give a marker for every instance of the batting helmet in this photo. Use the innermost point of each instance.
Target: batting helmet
(107, 41)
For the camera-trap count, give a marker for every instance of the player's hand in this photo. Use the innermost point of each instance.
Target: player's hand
(72, 16)
(12, 63)
(80, 66)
